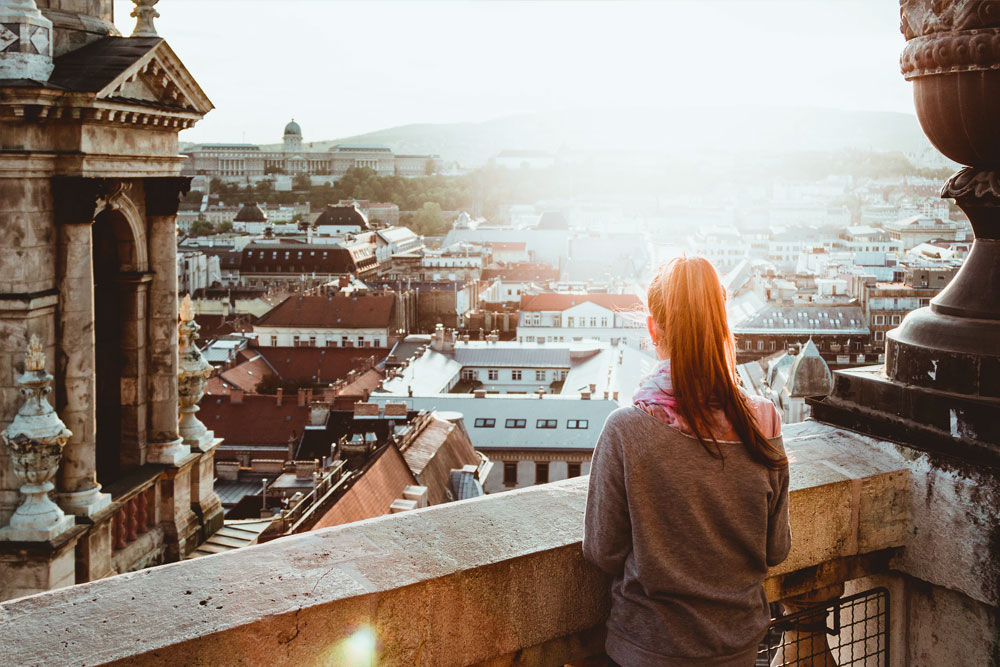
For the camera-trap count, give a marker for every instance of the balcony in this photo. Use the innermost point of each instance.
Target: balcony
(491, 581)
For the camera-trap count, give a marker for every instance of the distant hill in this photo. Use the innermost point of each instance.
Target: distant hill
(684, 131)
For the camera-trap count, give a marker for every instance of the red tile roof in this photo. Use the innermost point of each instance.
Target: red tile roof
(371, 495)
(507, 245)
(332, 312)
(319, 365)
(553, 301)
(440, 448)
(257, 420)
(248, 374)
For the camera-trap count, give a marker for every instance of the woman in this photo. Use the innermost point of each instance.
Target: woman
(688, 499)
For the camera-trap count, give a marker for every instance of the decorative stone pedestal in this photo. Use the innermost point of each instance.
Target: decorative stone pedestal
(84, 503)
(171, 453)
(36, 438)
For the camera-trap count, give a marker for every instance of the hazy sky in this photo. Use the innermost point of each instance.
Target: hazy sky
(343, 68)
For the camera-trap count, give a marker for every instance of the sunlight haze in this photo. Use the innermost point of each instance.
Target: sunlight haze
(344, 68)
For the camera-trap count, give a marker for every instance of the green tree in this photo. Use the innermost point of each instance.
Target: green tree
(301, 182)
(224, 227)
(428, 220)
(201, 228)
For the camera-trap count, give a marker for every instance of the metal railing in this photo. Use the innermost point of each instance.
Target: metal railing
(852, 630)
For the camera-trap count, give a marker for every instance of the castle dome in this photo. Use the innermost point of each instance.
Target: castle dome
(250, 212)
(293, 129)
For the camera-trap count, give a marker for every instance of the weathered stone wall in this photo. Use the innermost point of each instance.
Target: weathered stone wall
(463, 583)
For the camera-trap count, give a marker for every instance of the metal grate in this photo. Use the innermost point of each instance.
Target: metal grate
(852, 630)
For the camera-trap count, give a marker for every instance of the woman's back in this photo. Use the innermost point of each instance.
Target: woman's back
(688, 537)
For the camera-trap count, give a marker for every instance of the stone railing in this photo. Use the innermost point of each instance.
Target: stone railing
(497, 580)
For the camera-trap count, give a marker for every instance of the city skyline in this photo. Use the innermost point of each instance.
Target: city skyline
(473, 62)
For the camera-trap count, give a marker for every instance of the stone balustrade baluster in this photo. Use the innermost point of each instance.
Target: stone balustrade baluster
(118, 530)
(141, 515)
(131, 521)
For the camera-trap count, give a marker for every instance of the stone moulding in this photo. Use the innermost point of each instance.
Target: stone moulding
(982, 187)
(941, 53)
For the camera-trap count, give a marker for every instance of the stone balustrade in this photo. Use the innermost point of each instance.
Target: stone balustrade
(496, 580)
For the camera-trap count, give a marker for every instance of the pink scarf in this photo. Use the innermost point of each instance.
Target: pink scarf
(655, 397)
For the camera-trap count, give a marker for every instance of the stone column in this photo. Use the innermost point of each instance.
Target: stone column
(133, 291)
(78, 490)
(162, 199)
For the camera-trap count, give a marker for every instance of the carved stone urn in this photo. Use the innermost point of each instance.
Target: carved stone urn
(36, 439)
(952, 56)
(193, 372)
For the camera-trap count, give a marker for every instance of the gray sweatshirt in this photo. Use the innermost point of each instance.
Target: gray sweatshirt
(688, 539)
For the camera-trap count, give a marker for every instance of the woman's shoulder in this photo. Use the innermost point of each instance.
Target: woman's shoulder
(768, 417)
(626, 417)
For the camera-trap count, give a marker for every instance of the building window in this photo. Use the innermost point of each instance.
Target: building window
(569, 322)
(312, 341)
(760, 346)
(541, 473)
(274, 341)
(470, 374)
(515, 375)
(578, 423)
(546, 423)
(895, 319)
(331, 343)
(510, 473)
(879, 335)
(540, 376)
(771, 346)
(515, 423)
(748, 345)
(529, 339)
(485, 422)
(572, 470)
(375, 343)
(880, 319)
(604, 321)
(343, 341)
(295, 341)
(493, 374)
(593, 322)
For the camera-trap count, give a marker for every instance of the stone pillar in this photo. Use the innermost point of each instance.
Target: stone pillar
(162, 199)
(79, 492)
(133, 291)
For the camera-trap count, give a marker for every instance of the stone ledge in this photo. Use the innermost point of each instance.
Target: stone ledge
(464, 583)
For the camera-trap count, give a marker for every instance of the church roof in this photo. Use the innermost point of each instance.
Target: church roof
(293, 128)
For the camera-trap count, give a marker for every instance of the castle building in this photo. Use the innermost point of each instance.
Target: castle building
(242, 161)
(89, 189)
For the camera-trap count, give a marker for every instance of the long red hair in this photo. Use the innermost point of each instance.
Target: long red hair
(688, 304)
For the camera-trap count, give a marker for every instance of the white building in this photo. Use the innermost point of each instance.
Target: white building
(562, 318)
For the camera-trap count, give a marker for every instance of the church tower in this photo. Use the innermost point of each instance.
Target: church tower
(89, 189)
(293, 137)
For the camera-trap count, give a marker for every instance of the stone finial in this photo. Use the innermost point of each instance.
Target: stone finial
(36, 438)
(35, 359)
(186, 311)
(25, 41)
(144, 13)
(193, 372)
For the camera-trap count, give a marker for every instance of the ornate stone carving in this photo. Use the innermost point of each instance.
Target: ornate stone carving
(982, 187)
(144, 13)
(25, 41)
(36, 438)
(163, 195)
(193, 372)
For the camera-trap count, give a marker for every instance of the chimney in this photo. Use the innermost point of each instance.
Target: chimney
(584, 395)
(280, 396)
(479, 393)
(593, 388)
(236, 396)
(304, 396)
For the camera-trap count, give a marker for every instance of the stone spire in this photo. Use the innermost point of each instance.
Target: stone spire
(36, 439)
(144, 13)
(25, 41)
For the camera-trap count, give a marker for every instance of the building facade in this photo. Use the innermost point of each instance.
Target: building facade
(90, 185)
